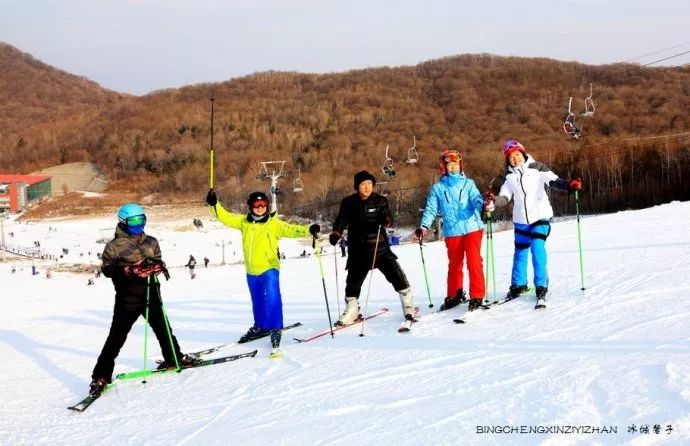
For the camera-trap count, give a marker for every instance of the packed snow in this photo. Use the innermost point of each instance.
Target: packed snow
(610, 365)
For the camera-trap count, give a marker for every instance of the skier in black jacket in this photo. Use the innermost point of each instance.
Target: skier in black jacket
(366, 215)
(129, 260)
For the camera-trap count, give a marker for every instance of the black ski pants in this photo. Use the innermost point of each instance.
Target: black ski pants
(387, 264)
(124, 317)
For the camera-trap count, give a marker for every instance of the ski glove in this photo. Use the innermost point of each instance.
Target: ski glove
(211, 198)
(314, 230)
(333, 238)
(421, 232)
(575, 184)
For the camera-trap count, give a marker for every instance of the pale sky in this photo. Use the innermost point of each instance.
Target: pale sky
(136, 46)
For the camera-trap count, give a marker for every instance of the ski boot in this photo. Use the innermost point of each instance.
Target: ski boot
(97, 386)
(475, 304)
(407, 304)
(451, 302)
(351, 313)
(275, 343)
(541, 297)
(254, 332)
(515, 291)
(184, 361)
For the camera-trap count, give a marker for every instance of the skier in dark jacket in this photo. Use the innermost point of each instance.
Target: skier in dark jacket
(365, 215)
(130, 259)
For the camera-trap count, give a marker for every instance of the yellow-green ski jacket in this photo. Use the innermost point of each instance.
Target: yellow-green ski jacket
(259, 238)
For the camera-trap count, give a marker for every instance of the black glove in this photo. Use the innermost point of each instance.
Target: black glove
(333, 238)
(211, 198)
(314, 230)
(420, 232)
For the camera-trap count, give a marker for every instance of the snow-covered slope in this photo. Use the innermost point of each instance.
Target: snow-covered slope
(613, 357)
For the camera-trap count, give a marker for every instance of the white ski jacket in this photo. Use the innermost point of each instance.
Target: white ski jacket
(527, 186)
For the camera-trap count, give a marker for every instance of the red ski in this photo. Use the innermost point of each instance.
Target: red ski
(327, 331)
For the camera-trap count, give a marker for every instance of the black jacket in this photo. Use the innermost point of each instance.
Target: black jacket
(363, 219)
(124, 250)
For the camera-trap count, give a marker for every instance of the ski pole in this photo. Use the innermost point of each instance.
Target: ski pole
(488, 263)
(426, 277)
(210, 183)
(167, 324)
(373, 264)
(146, 322)
(315, 245)
(579, 240)
(337, 284)
(491, 248)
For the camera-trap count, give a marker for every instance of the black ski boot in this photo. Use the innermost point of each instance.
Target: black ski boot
(276, 335)
(184, 361)
(452, 302)
(474, 304)
(254, 332)
(541, 297)
(516, 290)
(97, 386)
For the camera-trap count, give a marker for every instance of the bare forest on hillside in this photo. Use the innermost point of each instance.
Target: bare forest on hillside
(635, 152)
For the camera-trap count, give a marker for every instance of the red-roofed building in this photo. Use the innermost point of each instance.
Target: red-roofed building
(17, 192)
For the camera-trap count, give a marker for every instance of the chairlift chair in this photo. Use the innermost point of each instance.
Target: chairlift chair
(388, 168)
(412, 156)
(381, 188)
(569, 126)
(589, 104)
(297, 185)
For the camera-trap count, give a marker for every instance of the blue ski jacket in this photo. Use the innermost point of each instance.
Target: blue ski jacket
(459, 202)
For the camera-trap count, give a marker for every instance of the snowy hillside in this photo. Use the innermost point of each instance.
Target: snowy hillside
(593, 365)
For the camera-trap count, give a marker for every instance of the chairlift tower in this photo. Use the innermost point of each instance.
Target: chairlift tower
(272, 170)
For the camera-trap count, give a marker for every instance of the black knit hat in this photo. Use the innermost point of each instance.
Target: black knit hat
(363, 176)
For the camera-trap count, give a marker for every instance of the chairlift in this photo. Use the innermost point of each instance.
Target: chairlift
(589, 104)
(569, 126)
(263, 173)
(381, 188)
(412, 156)
(297, 185)
(388, 168)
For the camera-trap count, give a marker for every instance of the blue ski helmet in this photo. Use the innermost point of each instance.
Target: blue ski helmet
(132, 217)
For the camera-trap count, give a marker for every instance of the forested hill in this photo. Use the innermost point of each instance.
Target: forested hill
(331, 125)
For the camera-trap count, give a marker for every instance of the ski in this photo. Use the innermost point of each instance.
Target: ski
(263, 334)
(84, 404)
(463, 320)
(275, 354)
(406, 326)
(199, 363)
(340, 327)
(208, 351)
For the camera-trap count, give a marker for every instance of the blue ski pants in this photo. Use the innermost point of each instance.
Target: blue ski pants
(267, 304)
(531, 238)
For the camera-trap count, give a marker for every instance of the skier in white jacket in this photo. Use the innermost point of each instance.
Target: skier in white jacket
(526, 182)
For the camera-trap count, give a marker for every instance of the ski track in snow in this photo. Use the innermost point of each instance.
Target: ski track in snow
(617, 354)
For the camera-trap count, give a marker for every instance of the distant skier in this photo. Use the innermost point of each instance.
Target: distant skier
(343, 245)
(206, 262)
(130, 259)
(261, 231)
(460, 203)
(191, 264)
(524, 180)
(366, 215)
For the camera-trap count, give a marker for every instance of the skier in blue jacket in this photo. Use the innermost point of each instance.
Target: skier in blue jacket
(460, 203)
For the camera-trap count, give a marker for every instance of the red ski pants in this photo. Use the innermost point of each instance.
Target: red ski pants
(459, 247)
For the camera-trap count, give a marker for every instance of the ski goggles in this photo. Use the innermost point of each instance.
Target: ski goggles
(135, 220)
(260, 204)
(452, 157)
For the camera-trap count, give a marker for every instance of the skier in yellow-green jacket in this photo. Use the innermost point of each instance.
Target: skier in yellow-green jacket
(260, 233)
